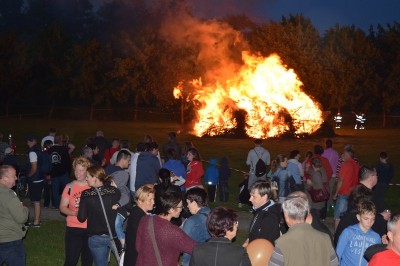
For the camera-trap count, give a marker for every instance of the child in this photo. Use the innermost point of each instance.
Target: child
(211, 178)
(355, 239)
(224, 175)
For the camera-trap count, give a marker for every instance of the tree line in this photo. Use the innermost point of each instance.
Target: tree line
(57, 52)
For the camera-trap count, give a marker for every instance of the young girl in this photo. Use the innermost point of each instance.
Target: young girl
(194, 170)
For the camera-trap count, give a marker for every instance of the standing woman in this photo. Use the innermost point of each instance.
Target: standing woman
(76, 238)
(90, 209)
(194, 170)
(169, 240)
(316, 181)
(144, 198)
(282, 177)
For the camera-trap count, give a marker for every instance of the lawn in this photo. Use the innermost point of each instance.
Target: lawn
(46, 245)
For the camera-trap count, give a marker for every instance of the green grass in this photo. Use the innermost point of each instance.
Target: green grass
(45, 246)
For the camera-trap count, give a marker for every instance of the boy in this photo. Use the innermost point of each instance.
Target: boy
(355, 239)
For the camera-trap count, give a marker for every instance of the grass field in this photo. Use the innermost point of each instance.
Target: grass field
(45, 246)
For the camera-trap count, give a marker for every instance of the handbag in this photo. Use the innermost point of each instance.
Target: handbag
(153, 240)
(113, 245)
(321, 194)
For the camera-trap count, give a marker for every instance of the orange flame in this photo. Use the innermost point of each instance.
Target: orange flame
(266, 90)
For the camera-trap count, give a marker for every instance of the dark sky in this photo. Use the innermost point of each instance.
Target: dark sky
(323, 13)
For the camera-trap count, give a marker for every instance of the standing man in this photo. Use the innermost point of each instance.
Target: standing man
(267, 214)
(333, 157)
(148, 166)
(60, 169)
(347, 180)
(253, 156)
(35, 178)
(385, 172)
(302, 244)
(13, 215)
(391, 256)
(171, 144)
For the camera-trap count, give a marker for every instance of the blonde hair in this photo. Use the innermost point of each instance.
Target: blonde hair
(81, 161)
(144, 192)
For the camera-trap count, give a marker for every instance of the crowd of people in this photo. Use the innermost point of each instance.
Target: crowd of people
(151, 208)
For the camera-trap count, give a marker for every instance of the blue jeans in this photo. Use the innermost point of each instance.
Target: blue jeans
(340, 206)
(100, 246)
(58, 184)
(12, 253)
(119, 222)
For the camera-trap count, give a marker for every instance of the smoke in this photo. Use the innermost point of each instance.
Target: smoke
(219, 46)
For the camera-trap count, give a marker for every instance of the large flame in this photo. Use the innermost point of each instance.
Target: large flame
(268, 93)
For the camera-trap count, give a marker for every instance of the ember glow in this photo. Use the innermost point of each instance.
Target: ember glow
(267, 92)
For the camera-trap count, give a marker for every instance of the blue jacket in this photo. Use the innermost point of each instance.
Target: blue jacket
(147, 169)
(281, 176)
(352, 244)
(196, 227)
(211, 176)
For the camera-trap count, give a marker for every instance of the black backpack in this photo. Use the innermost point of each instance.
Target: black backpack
(261, 167)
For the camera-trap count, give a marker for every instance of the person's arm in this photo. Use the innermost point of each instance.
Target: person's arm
(71, 148)
(64, 208)
(277, 258)
(333, 259)
(342, 244)
(338, 186)
(18, 212)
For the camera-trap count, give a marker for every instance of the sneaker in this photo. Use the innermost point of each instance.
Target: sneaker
(30, 224)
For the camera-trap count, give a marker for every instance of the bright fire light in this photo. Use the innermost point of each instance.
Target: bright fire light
(268, 93)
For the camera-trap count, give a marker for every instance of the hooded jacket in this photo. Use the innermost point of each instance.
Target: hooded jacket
(352, 244)
(147, 169)
(265, 223)
(211, 177)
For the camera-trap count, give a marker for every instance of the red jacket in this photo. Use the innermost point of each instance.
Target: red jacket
(194, 174)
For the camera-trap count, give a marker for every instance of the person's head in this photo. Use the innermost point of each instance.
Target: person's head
(274, 166)
(368, 176)
(193, 155)
(222, 222)
(366, 212)
(348, 147)
(260, 193)
(97, 177)
(171, 154)
(318, 149)
(147, 139)
(99, 133)
(282, 161)
(393, 233)
(258, 142)
(87, 152)
(140, 147)
(196, 198)
(8, 176)
(171, 204)
(186, 146)
(309, 154)
(58, 139)
(328, 143)
(348, 155)
(125, 144)
(115, 143)
(295, 154)
(152, 147)
(144, 197)
(164, 176)
(383, 156)
(47, 145)
(123, 159)
(171, 136)
(80, 166)
(316, 163)
(295, 209)
(52, 131)
(30, 141)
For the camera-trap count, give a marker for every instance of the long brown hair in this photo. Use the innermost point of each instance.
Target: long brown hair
(99, 173)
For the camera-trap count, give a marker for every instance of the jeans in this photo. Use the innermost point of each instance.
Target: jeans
(58, 184)
(76, 244)
(119, 222)
(223, 191)
(100, 246)
(12, 253)
(340, 206)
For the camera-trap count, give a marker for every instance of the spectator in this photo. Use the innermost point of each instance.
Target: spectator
(258, 152)
(302, 244)
(196, 225)
(317, 180)
(223, 225)
(355, 239)
(10, 159)
(224, 176)
(211, 178)
(115, 146)
(140, 147)
(391, 256)
(3, 146)
(144, 199)
(333, 157)
(67, 143)
(184, 156)
(169, 240)
(124, 144)
(148, 166)
(175, 166)
(102, 143)
(385, 172)
(13, 215)
(194, 170)
(76, 235)
(171, 144)
(266, 214)
(283, 177)
(52, 133)
(91, 210)
(296, 170)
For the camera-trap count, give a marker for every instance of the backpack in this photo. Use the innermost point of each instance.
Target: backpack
(44, 162)
(261, 167)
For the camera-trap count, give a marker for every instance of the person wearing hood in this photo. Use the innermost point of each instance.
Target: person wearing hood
(196, 225)
(211, 178)
(267, 214)
(175, 166)
(148, 166)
